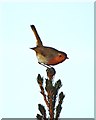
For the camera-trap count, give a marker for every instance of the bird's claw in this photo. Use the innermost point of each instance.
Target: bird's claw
(47, 66)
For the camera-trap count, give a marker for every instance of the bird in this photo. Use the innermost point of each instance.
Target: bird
(47, 56)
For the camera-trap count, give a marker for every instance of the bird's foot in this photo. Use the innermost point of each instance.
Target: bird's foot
(47, 66)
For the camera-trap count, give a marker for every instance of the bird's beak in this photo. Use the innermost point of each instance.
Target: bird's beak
(30, 48)
(67, 58)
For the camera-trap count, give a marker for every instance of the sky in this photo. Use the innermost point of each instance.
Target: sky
(68, 27)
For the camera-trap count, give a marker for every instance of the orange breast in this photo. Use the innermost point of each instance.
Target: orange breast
(56, 60)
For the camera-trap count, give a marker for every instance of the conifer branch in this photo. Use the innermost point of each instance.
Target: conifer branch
(40, 82)
(42, 110)
(59, 107)
(50, 99)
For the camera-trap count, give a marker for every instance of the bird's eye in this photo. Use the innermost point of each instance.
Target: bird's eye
(60, 55)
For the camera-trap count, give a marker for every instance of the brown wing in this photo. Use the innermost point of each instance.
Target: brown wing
(47, 52)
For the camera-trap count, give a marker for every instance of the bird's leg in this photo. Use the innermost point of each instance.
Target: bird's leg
(47, 66)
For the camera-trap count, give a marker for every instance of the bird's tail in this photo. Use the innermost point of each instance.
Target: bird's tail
(39, 42)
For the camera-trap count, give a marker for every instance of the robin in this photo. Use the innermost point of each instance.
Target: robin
(47, 56)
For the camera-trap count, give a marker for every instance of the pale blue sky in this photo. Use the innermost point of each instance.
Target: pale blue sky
(66, 26)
